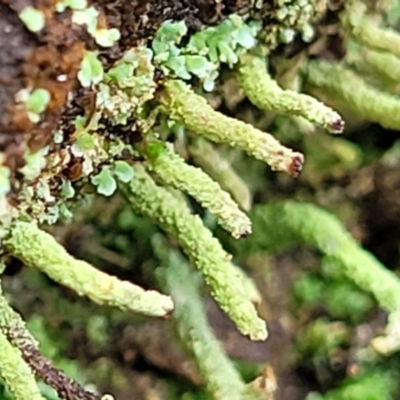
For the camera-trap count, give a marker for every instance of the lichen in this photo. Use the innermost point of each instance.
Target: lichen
(266, 94)
(282, 225)
(210, 161)
(181, 104)
(362, 98)
(223, 381)
(173, 171)
(40, 250)
(99, 118)
(33, 19)
(201, 247)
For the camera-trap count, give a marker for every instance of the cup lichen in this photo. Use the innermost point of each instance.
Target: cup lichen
(109, 135)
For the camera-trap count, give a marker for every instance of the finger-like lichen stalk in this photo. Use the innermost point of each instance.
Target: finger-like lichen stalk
(386, 65)
(40, 250)
(13, 327)
(206, 253)
(173, 171)
(16, 373)
(362, 99)
(281, 225)
(364, 30)
(265, 93)
(249, 285)
(191, 110)
(12, 321)
(221, 379)
(210, 160)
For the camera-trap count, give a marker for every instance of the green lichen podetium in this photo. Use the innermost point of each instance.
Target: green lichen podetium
(173, 171)
(13, 369)
(210, 161)
(11, 321)
(385, 65)
(205, 251)
(16, 373)
(364, 100)
(191, 110)
(266, 94)
(364, 29)
(40, 250)
(281, 225)
(221, 379)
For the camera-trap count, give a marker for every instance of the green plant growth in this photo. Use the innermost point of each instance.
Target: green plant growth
(156, 141)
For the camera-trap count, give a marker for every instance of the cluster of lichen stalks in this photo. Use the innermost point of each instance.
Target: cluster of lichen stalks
(152, 176)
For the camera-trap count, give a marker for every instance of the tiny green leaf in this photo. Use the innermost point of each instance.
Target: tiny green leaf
(121, 72)
(245, 37)
(123, 171)
(32, 18)
(65, 212)
(76, 4)
(209, 85)
(37, 101)
(227, 55)
(176, 63)
(58, 137)
(106, 37)
(154, 150)
(67, 190)
(172, 32)
(35, 162)
(105, 182)
(88, 17)
(198, 65)
(159, 47)
(85, 141)
(91, 70)
(197, 43)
